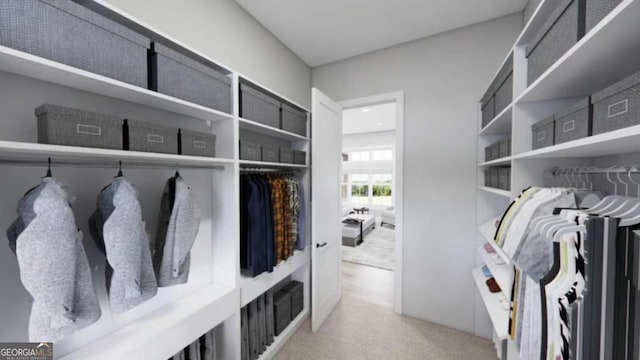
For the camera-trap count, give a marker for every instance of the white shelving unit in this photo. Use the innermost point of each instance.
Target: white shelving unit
(498, 314)
(216, 291)
(604, 56)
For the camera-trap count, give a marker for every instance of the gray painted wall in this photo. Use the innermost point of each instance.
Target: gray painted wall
(225, 32)
(529, 9)
(443, 77)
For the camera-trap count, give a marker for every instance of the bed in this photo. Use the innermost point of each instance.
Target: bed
(353, 234)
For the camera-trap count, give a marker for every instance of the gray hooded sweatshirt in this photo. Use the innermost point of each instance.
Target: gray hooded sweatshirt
(53, 264)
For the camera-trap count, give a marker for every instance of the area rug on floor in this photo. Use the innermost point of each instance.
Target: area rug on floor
(377, 250)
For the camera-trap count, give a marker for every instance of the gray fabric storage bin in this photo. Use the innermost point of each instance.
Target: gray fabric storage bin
(259, 107)
(562, 30)
(180, 76)
(504, 148)
(196, 143)
(69, 33)
(296, 290)
(281, 310)
(598, 10)
(299, 157)
(504, 87)
(495, 151)
(59, 125)
(573, 123)
(487, 177)
(286, 155)
(150, 137)
(488, 107)
(250, 151)
(494, 178)
(504, 178)
(542, 133)
(617, 106)
(270, 153)
(487, 153)
(294, 120)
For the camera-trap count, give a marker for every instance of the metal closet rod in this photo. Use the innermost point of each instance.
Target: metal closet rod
(616, 169)
(105, 164)
(267, 170)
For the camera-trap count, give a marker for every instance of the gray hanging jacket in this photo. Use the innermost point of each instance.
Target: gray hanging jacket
(178, 226)
(119, 232)
(53, 264)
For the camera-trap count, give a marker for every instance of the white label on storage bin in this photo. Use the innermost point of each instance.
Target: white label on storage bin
(619, 108)
(153, 138)
(88, 129)
(541, 136)
(199, 144)
(569, 126)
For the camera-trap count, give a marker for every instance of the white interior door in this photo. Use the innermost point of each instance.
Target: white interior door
(326, 256)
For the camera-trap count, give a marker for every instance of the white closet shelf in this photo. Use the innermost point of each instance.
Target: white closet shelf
(621, 141)
(263, 164)
(501, 124)
(502, 273)
(162, 333)
(608, 53)
(270, 131)
(251, 288)
(488, 230)
(33, 153)
(496, 162)
(32, 66)
(495, 191)
(280, 340)
(499, 315)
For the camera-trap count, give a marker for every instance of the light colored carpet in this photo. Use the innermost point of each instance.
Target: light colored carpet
(378, 249)
(358, 329)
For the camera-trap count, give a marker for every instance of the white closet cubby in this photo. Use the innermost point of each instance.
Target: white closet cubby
(605, 55)
(216, 291)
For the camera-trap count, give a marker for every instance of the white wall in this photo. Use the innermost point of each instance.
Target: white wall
(443, 78)
(225, 32)
(375, 139)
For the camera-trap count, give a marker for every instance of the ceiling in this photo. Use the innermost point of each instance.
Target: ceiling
(369, 119)
(320, 32)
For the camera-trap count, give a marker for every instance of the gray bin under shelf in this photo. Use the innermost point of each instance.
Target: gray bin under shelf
(180, 76)
(562, 30)
(487, 153)
(543, 133)
(69, 33)
(286, 155)
(250, 151)
(573, 123)
(598, 10)
(196, 143)
(281, 310)
(270, 153)
(259, 107)
(504, 87)
(296, 290)
(504, 148)
(150, 137)
(504, 178)
(299, 157)
(488, 107)
(59, 125)
(617, 106)
(294, 120)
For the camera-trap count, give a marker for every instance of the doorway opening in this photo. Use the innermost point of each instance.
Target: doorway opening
(371, 187)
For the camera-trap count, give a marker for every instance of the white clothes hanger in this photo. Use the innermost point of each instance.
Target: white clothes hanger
(607, 201)
(627, 202)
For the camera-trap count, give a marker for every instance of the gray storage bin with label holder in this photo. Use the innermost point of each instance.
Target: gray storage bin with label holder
(504, 87)
(562, 30)
(504, 148)
(296, 290)
(259, 107)
(69, 33)
(196, 143)
(504, 178)
(270, 153)
(487, 153)
(281, 310)
(494, 178)
(177, 75)
(59, 125)
(294, 120)
(150, 137)
(286, 155)
(617, 106)
(598, 10)
(250, 151)
(495, 151)
(573, 123)
(488, 107)
(487, 177)
(543, 133)
(299, 157)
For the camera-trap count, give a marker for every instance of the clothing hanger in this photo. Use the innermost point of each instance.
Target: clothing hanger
(626, 202)
(48, 175)
(119, 169)
(607, 201)
(632, 216)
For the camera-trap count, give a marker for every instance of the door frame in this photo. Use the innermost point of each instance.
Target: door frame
(397, 98)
